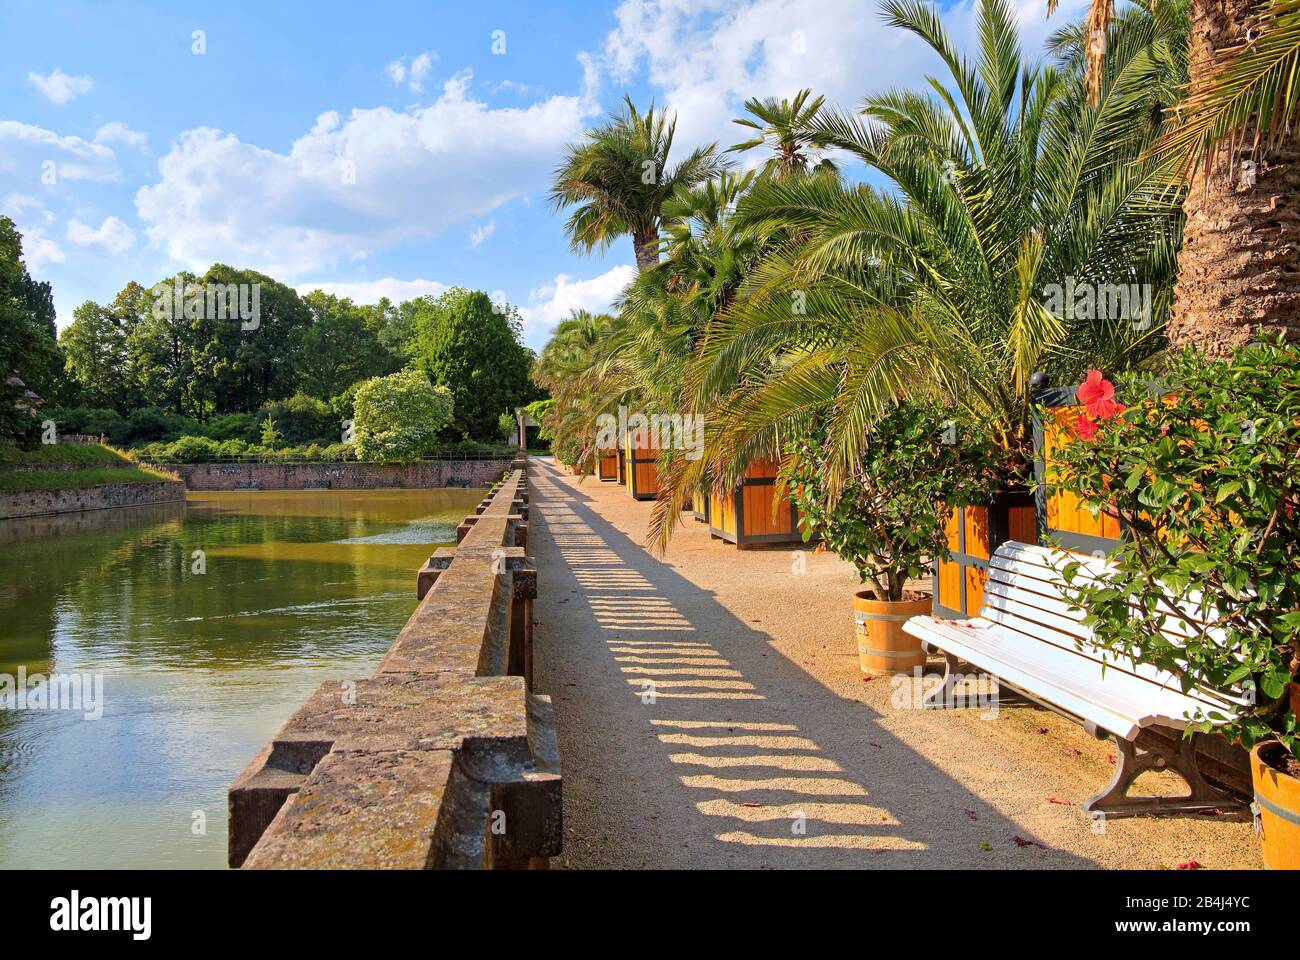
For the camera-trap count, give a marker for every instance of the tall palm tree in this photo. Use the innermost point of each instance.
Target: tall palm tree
(618, 177)
(1236, 143)
(1005, 182)
(786, 127)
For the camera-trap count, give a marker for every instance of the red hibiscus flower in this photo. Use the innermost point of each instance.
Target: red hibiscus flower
(1084, 428)
(1097, 395)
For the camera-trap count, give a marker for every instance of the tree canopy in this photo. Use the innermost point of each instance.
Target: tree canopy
(472, 346)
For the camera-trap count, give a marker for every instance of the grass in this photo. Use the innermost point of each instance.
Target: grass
(16, 481)
(62, 453)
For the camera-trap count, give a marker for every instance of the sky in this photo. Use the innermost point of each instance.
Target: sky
(388, 148)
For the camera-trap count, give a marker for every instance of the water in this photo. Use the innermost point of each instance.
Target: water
(199, 669)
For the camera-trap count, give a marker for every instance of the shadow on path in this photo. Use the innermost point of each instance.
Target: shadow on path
(689, 741)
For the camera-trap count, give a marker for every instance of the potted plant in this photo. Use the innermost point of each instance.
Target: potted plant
(889, 517)
(1204, 478)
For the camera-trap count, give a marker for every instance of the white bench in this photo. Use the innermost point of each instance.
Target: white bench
(1030, 638)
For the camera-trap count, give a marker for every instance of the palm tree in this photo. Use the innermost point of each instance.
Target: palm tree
(1235, 143)
(618, 178)
(1006, 182)
(786, 126)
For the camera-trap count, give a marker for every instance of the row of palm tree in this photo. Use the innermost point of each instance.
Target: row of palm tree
(790, 296)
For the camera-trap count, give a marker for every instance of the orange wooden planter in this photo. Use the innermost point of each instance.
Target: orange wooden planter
(700, 506)
(974, 533)
(640, 467)
(745, 516)
(607, 466)
(883, 647)
(1277, 797)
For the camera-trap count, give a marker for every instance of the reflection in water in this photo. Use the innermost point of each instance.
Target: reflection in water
(199, 668)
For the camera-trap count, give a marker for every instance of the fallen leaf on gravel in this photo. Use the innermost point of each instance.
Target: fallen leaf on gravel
(971, 814)
(876, 745)
(867, 677)
(1042, 729)
(1189, 865)
(1073, 752)
(1110, 758)
(986, 846)
(1022, 842)
(751, 804)
(1064, 803)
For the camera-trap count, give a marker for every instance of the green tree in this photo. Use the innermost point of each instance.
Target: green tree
(94, 347)
(786, 127)
(399, 417)
(271, 437)
(470, 346)
(618, 178)
(339, 347)
(303, 419)
(29, 354)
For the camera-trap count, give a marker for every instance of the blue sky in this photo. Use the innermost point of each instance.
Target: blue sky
(380, 148)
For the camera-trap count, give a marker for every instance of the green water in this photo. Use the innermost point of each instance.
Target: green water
(199, 668)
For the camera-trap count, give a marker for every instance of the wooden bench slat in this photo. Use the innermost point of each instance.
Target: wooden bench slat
(1142, 691)
(1031, 637)
(1027, 678)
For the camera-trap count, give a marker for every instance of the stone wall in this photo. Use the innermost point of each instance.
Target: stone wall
(339, 476)
(443, 757)
(33, 503)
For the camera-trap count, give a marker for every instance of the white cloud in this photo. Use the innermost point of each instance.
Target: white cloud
(707, 57)
(40, 251)
(119, 131)
(112, 236)
(59, 87)
(549, 304)
(372, 291)
(31, 216)
(25, 151)
(413, 70)
(349, 187)
(420, 68)
(482, 232)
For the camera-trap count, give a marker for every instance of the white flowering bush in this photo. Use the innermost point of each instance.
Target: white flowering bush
(397, 419)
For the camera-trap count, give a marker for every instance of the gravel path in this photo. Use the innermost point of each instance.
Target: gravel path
(760, 744)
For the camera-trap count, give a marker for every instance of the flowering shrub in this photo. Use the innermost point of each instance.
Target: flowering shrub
(1098, 398)
(889, 519)
(1205, 479)
(398, 417)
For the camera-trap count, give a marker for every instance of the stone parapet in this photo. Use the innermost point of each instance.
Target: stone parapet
(443, 757)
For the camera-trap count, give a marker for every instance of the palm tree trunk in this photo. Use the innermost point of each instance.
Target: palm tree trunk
(1238, 275)
(646, 254)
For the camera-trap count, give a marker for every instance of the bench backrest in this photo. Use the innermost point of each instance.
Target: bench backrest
(1024, 595)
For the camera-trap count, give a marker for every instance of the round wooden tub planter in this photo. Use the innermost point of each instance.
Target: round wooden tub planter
(883, 647)
(1277, 804)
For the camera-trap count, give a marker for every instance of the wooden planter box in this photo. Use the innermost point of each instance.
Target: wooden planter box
(700, 506)
(640, 468)
(1060, 514)
(744, 516)
(973, 534)
(607, 467)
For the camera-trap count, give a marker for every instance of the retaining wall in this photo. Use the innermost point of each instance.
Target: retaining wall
(35, 503)
(443, 757)
(343, 476)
